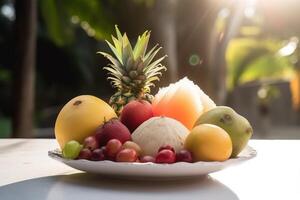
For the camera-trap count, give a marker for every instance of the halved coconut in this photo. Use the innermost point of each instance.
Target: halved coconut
(157, 132)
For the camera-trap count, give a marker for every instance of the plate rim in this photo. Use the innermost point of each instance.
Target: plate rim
(56, 155)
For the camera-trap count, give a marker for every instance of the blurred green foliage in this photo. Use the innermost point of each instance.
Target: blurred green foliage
(5, 75)
(145, 2)
(266, 93)
(250, 58)
(63, 17)
(5, 127)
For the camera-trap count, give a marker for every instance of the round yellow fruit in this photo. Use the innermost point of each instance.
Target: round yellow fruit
(80, 118)
(209, 142)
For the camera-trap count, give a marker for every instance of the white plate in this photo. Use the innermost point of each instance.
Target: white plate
(177, 170)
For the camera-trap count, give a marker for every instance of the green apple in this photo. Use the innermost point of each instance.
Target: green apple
(238, 127)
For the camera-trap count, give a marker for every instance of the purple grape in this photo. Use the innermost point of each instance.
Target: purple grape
(184, 156)
(98, 155)
(85, 153)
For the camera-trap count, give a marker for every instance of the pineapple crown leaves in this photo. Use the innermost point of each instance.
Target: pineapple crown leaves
(133, 68)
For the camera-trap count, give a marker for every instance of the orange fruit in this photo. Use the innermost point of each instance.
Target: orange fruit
(209, 142)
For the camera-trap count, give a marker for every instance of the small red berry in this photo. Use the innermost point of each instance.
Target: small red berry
(165, 156)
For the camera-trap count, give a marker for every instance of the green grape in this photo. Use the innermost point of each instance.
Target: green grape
(71, 149)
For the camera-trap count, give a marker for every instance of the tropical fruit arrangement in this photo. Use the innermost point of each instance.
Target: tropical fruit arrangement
(178, 124)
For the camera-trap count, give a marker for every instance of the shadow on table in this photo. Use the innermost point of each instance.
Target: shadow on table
(13, 145)
(87, 186)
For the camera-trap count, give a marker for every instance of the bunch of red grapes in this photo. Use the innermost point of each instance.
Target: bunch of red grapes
(129, 151)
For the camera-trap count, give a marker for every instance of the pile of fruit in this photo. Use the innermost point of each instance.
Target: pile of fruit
(179, 124)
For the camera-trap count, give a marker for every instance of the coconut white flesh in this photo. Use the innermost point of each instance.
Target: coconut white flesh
(157, 132)
(165, 94)
(206, 101)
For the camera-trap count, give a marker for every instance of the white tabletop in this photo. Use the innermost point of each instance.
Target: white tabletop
(27, 173)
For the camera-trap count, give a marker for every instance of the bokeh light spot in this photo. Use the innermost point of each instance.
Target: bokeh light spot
(75, 19)
(194, 60)
(8, 11)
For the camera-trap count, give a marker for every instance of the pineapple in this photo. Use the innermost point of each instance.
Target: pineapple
(132, 71)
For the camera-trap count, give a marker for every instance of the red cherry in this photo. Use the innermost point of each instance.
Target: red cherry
(165, 156)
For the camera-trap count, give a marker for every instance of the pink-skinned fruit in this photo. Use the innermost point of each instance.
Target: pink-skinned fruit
(165, 156)
(166, 147)
(127, 155)
(132, 145)
(113, 146)
(90, 143)
(135, 113)
(112, 129)
(146, 159)
(85, 153)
